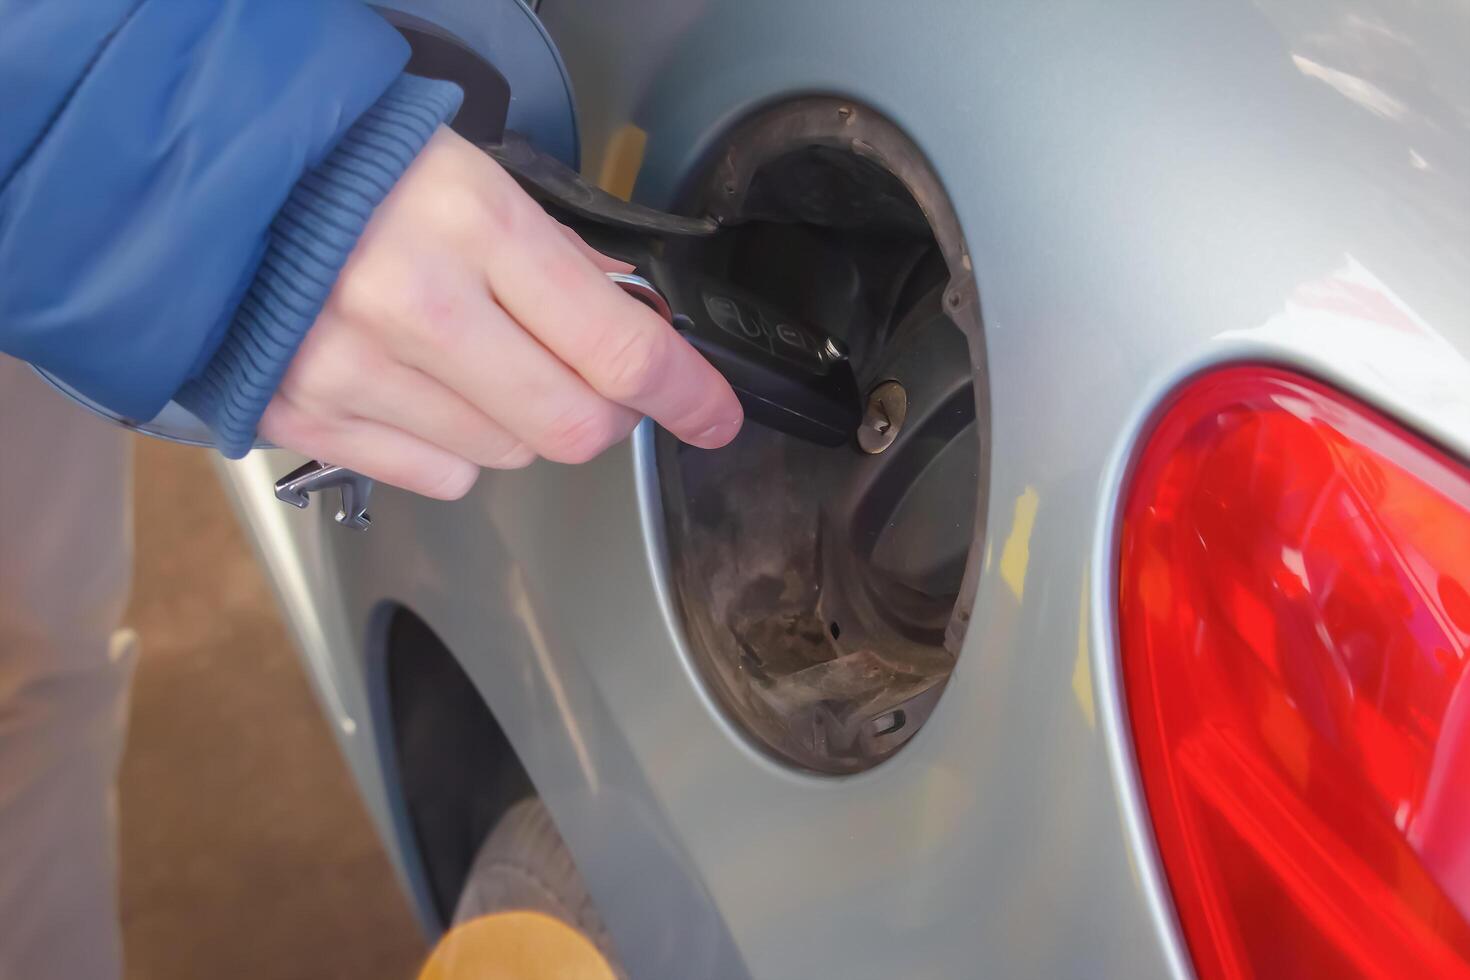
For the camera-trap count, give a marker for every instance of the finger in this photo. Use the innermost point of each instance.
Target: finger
(478, 351)
(379, 451)
(604, 262)
(408, 399)
(622, 349)
(327, 379)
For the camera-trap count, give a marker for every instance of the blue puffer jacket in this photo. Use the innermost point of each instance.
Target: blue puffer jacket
(180, 182)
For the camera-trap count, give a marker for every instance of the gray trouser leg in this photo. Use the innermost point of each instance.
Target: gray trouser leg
(65, 559)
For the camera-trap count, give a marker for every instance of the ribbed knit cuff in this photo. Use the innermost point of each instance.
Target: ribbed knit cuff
(310, 239)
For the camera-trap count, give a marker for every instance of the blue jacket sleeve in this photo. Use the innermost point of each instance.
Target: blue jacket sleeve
(154, 152)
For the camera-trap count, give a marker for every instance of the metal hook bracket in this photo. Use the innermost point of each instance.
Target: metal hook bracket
(355, 489)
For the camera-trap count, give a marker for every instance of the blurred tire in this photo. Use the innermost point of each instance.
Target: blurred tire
(524, 865)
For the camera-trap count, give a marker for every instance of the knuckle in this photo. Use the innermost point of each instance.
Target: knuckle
(364, 288)
(466, 211)
(431, 313)
(402, 303)
(330, 379)
(325, 376)
(633, 365)
(455, 201)
(565, 268)
(494, 212)
(439, 321)
(579, 436)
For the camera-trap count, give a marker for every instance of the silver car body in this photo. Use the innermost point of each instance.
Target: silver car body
(1147, 190)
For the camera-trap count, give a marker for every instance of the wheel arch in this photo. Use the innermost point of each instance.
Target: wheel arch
(425, 708)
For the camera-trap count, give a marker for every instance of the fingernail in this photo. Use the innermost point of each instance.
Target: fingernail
(718, 434)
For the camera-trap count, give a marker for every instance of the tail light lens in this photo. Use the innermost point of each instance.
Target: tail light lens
(1294, 610)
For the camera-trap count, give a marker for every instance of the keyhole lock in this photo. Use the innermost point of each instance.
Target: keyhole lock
(883, 417)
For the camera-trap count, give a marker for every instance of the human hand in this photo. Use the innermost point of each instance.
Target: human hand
(469, 329)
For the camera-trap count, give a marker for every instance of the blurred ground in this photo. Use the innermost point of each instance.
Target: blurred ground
(245, 850)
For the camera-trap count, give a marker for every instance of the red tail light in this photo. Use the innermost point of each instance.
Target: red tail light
(1294, 603)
